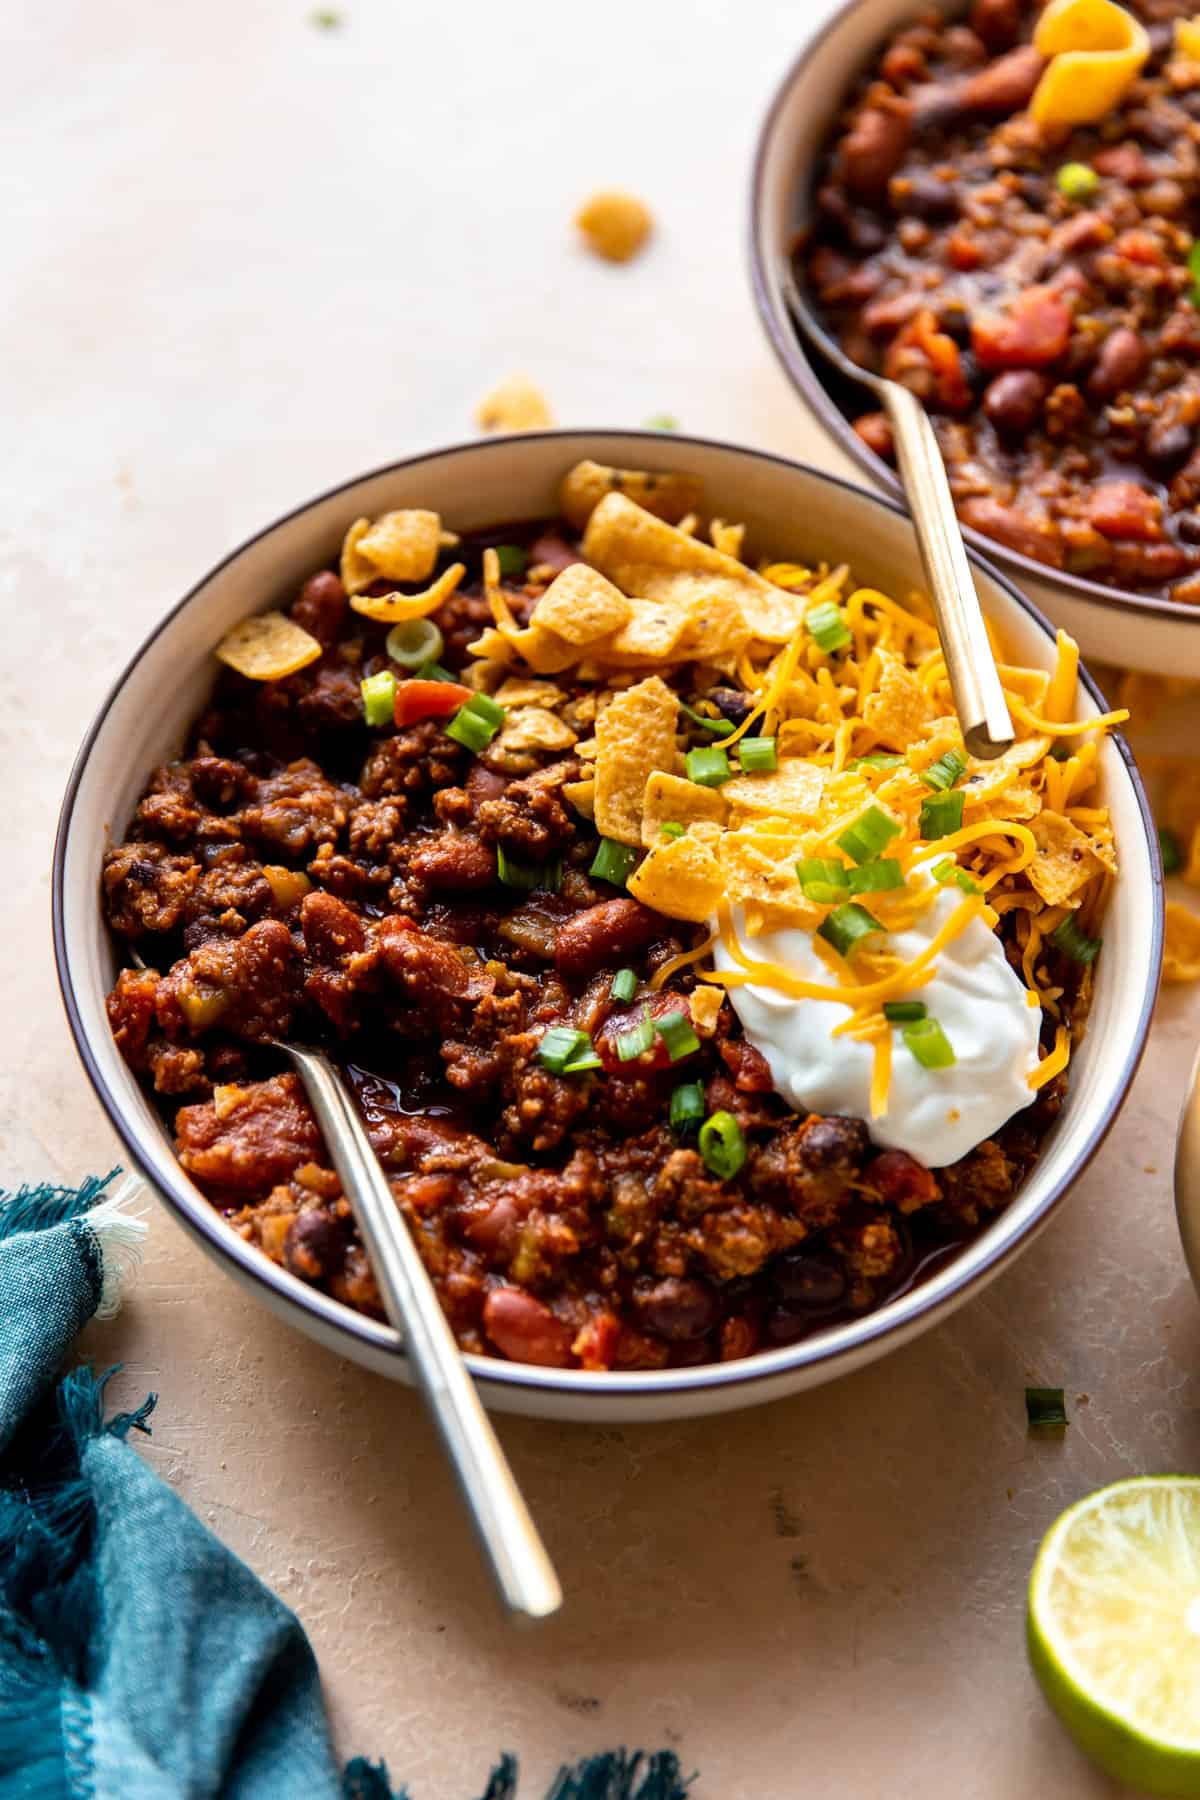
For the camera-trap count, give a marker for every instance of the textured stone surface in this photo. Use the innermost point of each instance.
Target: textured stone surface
(244, 259)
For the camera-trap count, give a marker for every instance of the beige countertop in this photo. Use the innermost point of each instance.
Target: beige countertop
(245, 259)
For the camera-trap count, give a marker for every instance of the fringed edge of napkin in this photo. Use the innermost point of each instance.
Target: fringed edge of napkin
(616, 1775)
(111, 1226)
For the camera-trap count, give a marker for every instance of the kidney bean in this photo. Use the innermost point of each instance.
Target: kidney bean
(875, 430)
(1013, 401)
(1006, 85)
(526, 1331)
(332, 930)
(873, 148)
(453, 862)
(902, 1181)
(806, 1278)
(997, 22)
(315, 1245)
(678, 1308)
(739, 1337)
(923, 195)
(1023, 532)
(320, 607)
(1122, 509)
(658, 1006)
(1168, 443)
(603, 934)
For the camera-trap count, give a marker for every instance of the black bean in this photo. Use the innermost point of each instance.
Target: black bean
(1168, 443)
(731, 703)
(678, 1308)
(805, 1278)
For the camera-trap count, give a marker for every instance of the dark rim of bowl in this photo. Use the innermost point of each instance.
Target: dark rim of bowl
(801, 371)
(763, 1366)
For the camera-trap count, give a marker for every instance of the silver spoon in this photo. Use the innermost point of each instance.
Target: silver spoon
(978, 696)
(1187, 1175)
(522, 1570)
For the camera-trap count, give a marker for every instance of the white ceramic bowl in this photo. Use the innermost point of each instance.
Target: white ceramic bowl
(793, 511)
(1128, 630)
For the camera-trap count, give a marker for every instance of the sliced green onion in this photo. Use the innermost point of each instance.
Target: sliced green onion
(433, 671)
(550, 875)
(687, 1105)
(661, 422)
(515, 874)
(872, 832)
(904, 1012)
(1046, 1406)
(476, 722)
(1075, 943)
(948, 769)
(878, 877)
(613, 862)
(624, 985)
(709, 766)
(1077, 181)
(636, 1041)
(675, 1030)
(825, 883)
(513, 561)
(1193, 263)
(579, 1065)
(878, 759)
(413, 642)
(379, 698)
(758, 754)
(561, 1045)
(941, 814)
(718, 727)
(670, 828)
(722, 1145)
(846, 925)
(1060, 752)
(948, 871)
(827, 627)
(929, 1044)
(1171, 850)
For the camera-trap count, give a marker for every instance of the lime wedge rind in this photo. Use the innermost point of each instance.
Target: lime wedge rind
(1111, 1639)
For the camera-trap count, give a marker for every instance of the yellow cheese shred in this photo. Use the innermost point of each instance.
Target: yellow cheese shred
(881, 1074)
(1055, 1062)
(660, 976)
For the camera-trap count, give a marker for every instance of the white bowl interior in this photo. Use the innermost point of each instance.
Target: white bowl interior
(792, 511)
(1160, 636)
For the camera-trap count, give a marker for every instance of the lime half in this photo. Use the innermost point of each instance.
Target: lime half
(1114, 1629)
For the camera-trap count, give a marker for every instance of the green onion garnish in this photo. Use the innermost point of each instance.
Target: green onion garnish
(827, 627)
(722, 1145)
(718, 727)
(433, 671)
(1077, 181)
(476, 722)
(675, 1030)
(929, 1043)
(823, 882)
(941, 814)
(1046, 1406)
(624, 985)
(878, 877)
(413, 642)
(945, 771)
(687, 1105)
(636, 1041)
(904, 1012)
(947, 870)
(878, 759)
(758, 755)
(1171, 850)
(1193, 263)
(872, 832)
(379, 698)
(1075, 943)
(579, 1065)
(709, 766)
(661, 422)
(515, 874)
(670, 828)
(561, 1045)
(513, 561)
(1060, 752)
(846, 925)
(613, 862)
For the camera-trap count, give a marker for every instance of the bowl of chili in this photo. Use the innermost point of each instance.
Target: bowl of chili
(199, 1112)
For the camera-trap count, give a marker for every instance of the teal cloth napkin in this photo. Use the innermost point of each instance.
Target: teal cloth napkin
(139, 1658)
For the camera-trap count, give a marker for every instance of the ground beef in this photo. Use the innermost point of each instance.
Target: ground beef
(1053, 339)
(428, 915)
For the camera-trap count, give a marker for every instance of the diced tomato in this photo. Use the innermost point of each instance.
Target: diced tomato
(428, 700)
(1140, 247)
(1034, 331)
(940, 353)
(1122, 509)
(876, 433)
(963, 252)
(624, 1018)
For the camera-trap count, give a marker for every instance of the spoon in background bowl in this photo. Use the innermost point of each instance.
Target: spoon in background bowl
(978, 695)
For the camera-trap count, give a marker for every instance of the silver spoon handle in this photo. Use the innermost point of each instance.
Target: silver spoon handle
(523, 1572)
(978, 696)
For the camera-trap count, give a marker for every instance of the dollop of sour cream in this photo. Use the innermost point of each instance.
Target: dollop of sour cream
(937, 1115)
